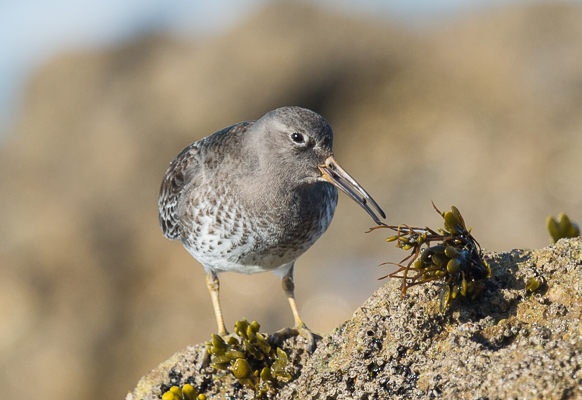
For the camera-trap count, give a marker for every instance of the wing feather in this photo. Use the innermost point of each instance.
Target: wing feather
(181, 171)
(184, 173)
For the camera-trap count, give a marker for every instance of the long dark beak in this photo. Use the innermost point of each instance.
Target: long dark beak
(337, 176)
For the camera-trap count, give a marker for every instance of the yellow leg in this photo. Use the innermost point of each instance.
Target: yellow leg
(300, 328)
(213, 285)
(289, 289)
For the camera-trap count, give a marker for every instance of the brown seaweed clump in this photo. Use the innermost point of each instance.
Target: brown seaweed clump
(246, 355)
(562, 227)
(186, 392)
(251, 359)
(455, 259)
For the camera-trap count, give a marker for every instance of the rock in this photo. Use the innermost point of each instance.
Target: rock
(507, 343)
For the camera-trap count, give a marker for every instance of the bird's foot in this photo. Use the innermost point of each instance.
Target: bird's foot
(298, 330)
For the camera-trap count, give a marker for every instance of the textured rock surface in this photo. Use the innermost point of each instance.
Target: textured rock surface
(508, 343)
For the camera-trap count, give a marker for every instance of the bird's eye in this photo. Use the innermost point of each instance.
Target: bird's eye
(298, 138)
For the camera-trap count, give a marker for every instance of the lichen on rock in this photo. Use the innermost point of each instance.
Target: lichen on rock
(514, 343)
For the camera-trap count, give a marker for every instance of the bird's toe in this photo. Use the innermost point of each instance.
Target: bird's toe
(298, 330)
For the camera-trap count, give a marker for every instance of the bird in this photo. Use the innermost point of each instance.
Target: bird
(254, 196)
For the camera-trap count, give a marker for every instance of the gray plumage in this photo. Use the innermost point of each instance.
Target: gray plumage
(255, 196)
(249, 198)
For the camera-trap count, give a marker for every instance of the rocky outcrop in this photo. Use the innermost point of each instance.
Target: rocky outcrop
(508, 343)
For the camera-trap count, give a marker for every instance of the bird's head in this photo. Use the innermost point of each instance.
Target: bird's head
(298, 144)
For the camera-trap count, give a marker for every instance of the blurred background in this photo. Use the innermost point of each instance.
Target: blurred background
(474, 104)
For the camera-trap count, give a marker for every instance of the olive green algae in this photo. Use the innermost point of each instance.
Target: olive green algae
(510, 342)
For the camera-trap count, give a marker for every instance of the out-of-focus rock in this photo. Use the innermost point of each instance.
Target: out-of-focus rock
(508, 343)
(482, 113)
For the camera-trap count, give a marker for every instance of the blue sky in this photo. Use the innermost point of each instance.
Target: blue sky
(33, 30)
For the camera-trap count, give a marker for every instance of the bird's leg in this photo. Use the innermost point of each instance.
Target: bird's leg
(289, 289)
(213, 285)
(300, 328)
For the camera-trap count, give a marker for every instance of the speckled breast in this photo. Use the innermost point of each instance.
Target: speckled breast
(228, 236)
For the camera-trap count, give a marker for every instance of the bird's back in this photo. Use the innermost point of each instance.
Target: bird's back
(187, 171)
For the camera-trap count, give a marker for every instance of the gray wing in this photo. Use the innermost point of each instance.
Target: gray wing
(180, 173)
(185, 173)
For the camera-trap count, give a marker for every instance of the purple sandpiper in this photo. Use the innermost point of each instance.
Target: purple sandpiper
(255, 196)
